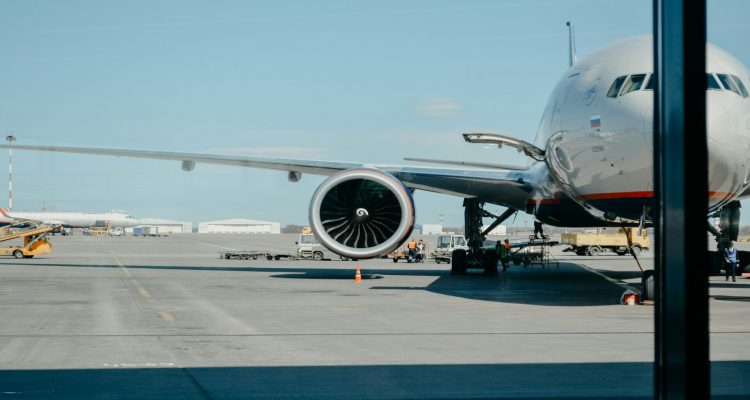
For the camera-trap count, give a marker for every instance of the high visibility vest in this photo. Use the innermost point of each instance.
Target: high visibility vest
(411, 245)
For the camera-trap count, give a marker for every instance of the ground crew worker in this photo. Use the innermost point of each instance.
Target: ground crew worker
(421, 250)
(506, 261)
(730, 261)
(502, 254)
(412, 247)
(538, 229)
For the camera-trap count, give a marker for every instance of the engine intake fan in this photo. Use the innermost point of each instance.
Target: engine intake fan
(362, 213)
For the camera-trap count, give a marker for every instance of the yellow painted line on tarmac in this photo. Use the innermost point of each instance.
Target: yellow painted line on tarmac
(144, 292)
(123, 268)
(166, 316)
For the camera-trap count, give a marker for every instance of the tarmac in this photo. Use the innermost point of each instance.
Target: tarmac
(165, 318)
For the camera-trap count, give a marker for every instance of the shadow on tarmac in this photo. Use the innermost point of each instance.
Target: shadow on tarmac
(566, 286)
(626, 380)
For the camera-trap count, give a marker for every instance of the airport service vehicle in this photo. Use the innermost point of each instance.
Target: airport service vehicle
(34, 242)
(593, 244)
(254, 255)
(152, 231)
(535, 251)
(308, 247)
(446, 245)
(590, 165)
(397, 255)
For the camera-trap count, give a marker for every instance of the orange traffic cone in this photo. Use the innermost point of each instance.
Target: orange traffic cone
(358, 276)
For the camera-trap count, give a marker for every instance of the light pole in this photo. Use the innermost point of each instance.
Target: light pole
(10, 138)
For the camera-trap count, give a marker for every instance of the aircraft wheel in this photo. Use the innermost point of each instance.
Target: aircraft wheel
(269, 258)
(18, 254)
(648, 282)
(489, 262)
(395, 259)
(277, 258)
(318, 256)
(636, 250)
(595, 250)
(458, 262)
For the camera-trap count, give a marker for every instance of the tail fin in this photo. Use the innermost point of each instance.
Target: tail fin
(4, 214)
(571, 44)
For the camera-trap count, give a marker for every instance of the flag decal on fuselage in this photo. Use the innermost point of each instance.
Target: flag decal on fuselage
(596, 121)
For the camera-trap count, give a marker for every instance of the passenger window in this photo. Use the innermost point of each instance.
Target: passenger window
(616, 85)
(651, 82)
(634, 83)
(712, 83)
(740, 85)
(728, 83)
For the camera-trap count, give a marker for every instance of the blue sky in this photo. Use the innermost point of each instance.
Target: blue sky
(336, 80)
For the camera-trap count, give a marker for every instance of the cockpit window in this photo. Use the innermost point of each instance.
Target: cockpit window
(651, 82)
(740, 85)
(712, 83)
(634, 83)
(728, 83)
(616, 85)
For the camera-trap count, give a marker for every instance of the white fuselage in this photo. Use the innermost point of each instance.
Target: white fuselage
(599, 141)
(77, 219)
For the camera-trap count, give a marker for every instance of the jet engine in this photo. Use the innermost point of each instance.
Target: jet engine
(362, 213)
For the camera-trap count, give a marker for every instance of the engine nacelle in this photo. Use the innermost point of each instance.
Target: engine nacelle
(362, 213)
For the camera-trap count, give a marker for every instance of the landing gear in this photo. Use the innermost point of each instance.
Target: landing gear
(729, 230)
(476, 256)
(458, 262)
(647, 285)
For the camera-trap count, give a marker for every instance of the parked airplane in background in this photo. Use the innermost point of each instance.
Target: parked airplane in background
(72, 219)
(591, 164)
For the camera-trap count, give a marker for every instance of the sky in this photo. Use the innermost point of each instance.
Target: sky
(326, 80)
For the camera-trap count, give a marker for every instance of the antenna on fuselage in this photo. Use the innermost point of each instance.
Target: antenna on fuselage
(571, 44)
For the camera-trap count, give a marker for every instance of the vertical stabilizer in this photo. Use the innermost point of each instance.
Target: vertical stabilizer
(571, 44)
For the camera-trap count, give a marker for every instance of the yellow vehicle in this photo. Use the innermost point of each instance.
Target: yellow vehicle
(34, 242)
(616, 241)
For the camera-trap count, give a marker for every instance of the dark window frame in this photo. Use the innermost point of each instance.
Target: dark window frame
(614, 89)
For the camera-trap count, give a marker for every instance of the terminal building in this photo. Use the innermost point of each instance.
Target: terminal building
(239, 225)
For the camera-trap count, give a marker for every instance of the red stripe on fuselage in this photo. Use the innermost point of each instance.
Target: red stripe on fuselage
(627, 195)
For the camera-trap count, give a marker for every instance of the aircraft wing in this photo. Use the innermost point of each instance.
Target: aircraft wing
(506, 188)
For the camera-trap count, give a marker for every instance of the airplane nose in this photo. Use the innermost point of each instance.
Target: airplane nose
(728, 163)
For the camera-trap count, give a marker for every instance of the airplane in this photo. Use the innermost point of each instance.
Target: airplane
(72, 219)
(590, 164)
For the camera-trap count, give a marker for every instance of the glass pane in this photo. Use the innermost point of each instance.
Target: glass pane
(651, 82)
(713, 84)
(740, 85)
(616, 85)
(318, 88)
(729, 128)
(728, 83)
(634, 83)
